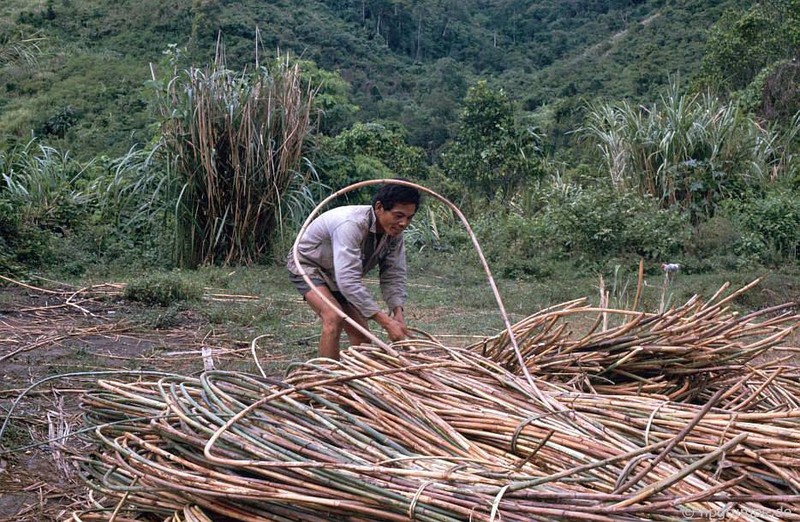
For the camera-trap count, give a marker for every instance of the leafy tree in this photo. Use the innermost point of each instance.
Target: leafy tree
(436, 96)
(741, 45)
(331, 104)
(370, 151)
(493, 152)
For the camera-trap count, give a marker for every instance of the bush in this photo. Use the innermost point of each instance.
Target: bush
(586, 226)
(714, 237)
(21, 246)
(601, 222)
(713, 246)
(770, 226)
(161, 290)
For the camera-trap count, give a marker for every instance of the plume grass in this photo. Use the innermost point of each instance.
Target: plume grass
(236, 143)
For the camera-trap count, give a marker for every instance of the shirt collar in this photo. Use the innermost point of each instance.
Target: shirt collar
(373, 220)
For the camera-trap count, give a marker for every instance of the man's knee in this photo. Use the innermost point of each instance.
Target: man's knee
(331, 320)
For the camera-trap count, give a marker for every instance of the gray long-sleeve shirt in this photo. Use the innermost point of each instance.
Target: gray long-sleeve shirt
(342, 245)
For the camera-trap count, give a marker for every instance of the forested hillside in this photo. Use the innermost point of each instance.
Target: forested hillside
(408, 61)
(582, 133)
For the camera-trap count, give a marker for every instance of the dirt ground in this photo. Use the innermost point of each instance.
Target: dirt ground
(64, 340)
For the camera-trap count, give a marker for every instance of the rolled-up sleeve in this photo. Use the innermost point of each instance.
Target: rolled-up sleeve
(393, 275)
(346, 242)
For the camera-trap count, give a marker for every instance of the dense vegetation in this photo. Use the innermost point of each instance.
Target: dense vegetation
(582, 133)
(404, 61)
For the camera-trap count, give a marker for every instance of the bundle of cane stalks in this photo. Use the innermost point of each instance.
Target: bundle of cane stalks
(422, 431)
(683, 354)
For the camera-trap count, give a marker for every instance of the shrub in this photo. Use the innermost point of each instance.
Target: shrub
(503, 234)
(587, 226)
(770, 226)
(600, 222)
(714, 236)
(161, 290)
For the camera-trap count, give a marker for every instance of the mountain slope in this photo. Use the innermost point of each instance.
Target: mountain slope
(409, 61)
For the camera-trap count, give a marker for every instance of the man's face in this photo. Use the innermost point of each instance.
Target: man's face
(393, 222)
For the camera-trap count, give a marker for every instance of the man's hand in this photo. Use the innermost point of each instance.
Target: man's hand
(397, 315)
(395, 327)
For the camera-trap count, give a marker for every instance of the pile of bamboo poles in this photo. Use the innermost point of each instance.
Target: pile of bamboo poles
(440, 434)
(680, 354)
(692, 413)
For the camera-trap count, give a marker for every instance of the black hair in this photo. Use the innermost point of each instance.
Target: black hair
(391, 194)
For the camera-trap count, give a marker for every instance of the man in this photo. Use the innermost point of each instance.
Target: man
(339, 248)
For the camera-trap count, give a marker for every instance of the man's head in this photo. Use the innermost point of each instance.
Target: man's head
(394, 207)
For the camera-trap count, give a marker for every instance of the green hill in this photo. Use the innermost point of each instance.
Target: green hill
(409, 61)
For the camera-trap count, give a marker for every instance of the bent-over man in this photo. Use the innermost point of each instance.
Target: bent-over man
(339, 248)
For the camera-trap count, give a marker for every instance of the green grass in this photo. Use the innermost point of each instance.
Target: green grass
(449, 297)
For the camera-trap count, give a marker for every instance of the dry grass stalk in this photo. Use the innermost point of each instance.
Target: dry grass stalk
(427, 432)
(237, 141)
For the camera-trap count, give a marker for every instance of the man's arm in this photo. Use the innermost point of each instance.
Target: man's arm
(346, 245)
(393, 276)
(397, 314)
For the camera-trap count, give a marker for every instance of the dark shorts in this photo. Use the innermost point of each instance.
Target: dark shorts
(302, 287)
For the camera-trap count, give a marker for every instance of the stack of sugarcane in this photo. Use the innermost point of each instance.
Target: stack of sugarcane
(682, 354)
(425, 432)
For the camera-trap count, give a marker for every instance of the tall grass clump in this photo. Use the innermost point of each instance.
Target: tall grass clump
(47, 186)
(67, 214)
(133, 220)
(236, 145)
(692, 150)
(134, 192)
(44, 195)
(20, 49)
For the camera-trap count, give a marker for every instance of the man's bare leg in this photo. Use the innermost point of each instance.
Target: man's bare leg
(332, 323)
(354, 335)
